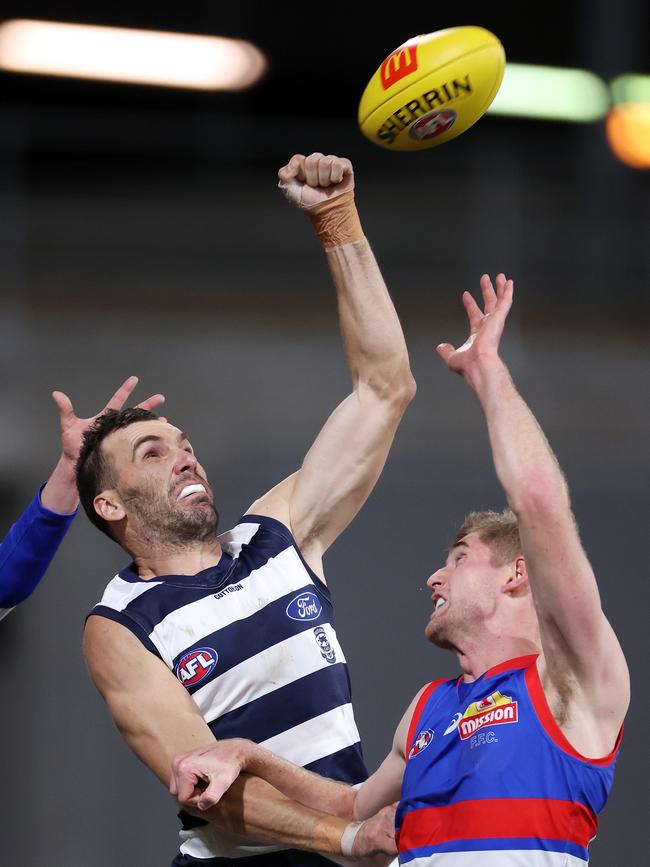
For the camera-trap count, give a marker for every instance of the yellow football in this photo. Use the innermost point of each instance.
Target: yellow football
(432, 88)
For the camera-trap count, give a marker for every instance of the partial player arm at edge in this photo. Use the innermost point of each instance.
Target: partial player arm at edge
(159, 720)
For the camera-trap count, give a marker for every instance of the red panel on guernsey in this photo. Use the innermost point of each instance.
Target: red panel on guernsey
(498, 817)
(417, 713)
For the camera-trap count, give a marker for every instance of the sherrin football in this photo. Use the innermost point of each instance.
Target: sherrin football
(432, 88)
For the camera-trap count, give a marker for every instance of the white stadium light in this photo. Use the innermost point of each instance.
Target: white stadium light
(132, 56)
(551, 93)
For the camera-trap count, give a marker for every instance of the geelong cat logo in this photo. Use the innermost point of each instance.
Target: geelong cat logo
(196, 665)
(305, 607)
(324, 645)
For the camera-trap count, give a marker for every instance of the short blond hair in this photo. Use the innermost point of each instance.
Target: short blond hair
(498, 530)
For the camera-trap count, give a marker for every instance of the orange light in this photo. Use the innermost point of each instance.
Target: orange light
(628, 133)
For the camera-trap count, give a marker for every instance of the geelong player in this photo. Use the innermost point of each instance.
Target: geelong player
(31, 543)
(206, 636)
(509, 764)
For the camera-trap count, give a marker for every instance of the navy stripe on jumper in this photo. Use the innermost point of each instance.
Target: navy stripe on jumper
(286, 707)
(346, 765)
(131, 625)
(240, 640)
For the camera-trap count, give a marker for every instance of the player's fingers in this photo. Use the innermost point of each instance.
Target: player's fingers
(489, 295)
(474, 312)
(122, 394)
(311, 169)
(220, 782)
(152, 402)
(445, 351)
(64, 405)
(188, 786)
(505, 299)
(325, 178)
(347, 167)
(336, 172)
(292, 168)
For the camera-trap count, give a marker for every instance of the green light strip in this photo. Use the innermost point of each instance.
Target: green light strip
(631, 88)
(551, 93)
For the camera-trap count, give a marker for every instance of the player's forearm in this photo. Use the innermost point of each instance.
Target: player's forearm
(372, 334)
(300, 785)
(255, 809)
(60, 493)
(523, 459)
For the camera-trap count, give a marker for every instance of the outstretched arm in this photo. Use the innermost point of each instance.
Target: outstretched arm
(582, 667)
(343, 465)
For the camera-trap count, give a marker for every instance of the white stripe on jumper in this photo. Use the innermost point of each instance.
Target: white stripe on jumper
(498, 858)
(265, 672)
(190, 623)
(119, 592)
(317, 737)
(208, 841)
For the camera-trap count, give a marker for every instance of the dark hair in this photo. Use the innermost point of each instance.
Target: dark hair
(94, 471)
(498, 530)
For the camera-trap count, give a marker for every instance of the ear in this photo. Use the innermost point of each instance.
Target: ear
(109, 506)
(517, 582)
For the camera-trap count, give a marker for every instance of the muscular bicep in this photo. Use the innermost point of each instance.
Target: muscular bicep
(342, 467)
(152, 711)
(338, 473)
(575, 634)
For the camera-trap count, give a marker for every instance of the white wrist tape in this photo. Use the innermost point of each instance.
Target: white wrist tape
(348, 838)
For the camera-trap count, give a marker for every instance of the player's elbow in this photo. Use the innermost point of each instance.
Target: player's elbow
(395, 392)
(541, 494)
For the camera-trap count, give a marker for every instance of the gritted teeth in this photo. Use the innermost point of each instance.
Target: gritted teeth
(191, 489)
(439, 603)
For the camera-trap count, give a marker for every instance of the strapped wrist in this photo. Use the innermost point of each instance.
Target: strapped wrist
(336, 221)
(348, 838)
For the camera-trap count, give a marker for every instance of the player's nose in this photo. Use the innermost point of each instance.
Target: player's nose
(436, 579)
(185, 462)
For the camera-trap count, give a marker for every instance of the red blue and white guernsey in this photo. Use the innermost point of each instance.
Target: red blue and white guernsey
(491, 781)
(253, 642)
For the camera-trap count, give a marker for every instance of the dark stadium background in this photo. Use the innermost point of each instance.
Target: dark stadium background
(141, 232)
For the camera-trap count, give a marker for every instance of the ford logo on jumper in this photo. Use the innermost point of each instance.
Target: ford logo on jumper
(305, 607)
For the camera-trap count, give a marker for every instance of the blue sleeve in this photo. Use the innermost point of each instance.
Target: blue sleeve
(27, 550)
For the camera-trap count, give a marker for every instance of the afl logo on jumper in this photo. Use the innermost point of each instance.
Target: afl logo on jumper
(196, 665)
(421, 742)
(305, 607)
(324, 645)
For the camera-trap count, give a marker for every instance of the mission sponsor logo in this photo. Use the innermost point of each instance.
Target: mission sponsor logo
(307, 606)
(421, 742)
(196, 665)
(495, 709)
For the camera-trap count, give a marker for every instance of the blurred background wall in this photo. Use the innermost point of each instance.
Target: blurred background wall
(141, 232)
